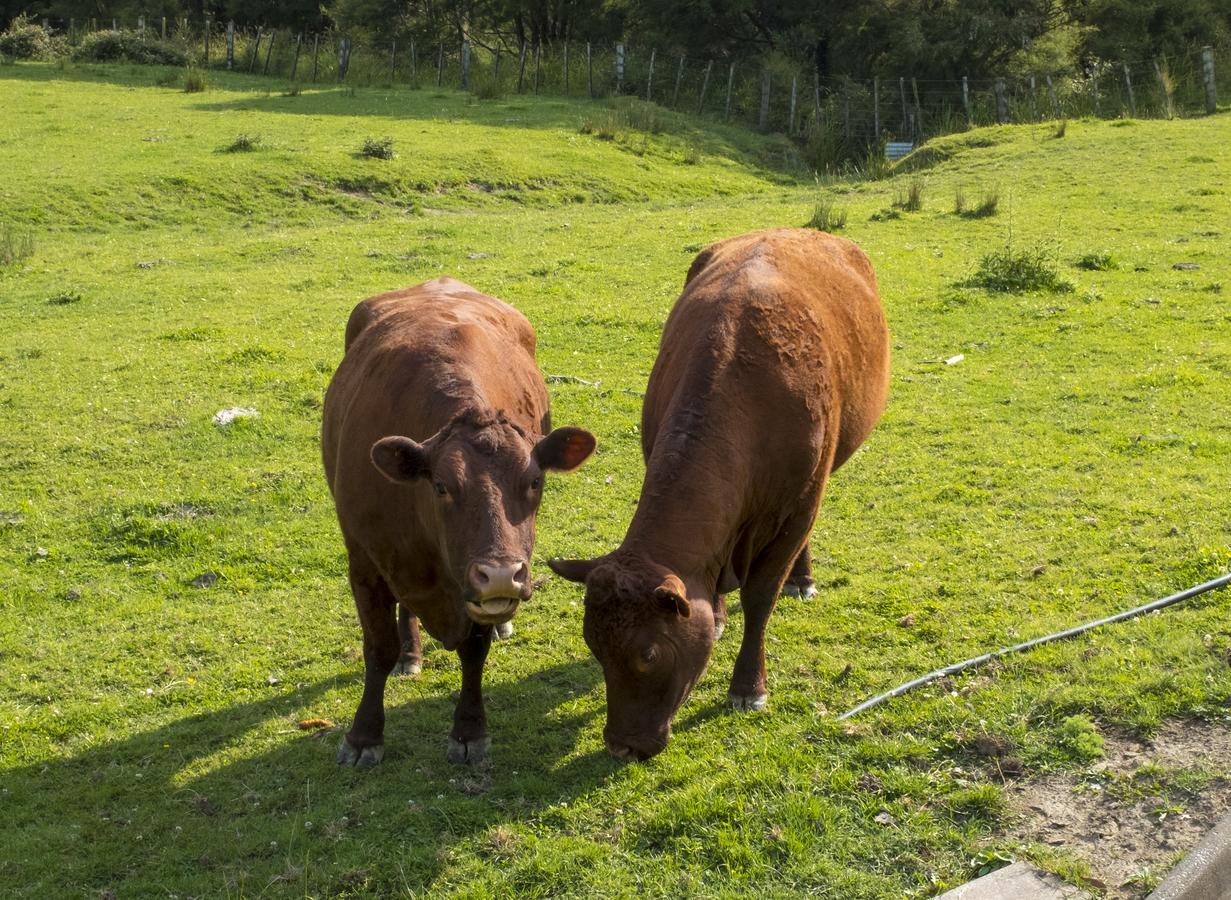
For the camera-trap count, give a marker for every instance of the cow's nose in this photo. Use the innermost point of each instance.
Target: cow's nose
(500, 579)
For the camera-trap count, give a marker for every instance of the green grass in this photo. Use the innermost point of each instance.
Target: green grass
(1072, 464)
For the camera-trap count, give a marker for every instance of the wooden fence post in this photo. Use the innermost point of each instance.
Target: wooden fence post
(273, 36)
(1207, 72)
(1055, 104)
(537, 49)
(566, 68)
(316, 54)
(846, 109)
(230, 45)
(256, 51)
(208, 29)
(295, 61)
(649, 78)
(730, 84)
(1034, 111)
(679, 75)
(763, 118)
(465, 65)
(1002, 102)
(914, 90)
(1128, 83)
(496, 69)
(619, 68)
(790, 128)
(876, 109)
(1162, 90)
(414, 66)
(705, 83)
(906, 131)
(589, 71)
(141, 25)
(393, 60)
(1094, 88)
(970, 119)
(521, 67)
(816, 95)
(164, 28)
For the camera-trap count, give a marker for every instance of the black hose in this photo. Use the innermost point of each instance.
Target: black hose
(1222, 581)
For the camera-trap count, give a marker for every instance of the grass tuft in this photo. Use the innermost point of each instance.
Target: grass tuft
(1096, 262)
(15, 245)
(244, 143)
(910, 199)
(827, 215)
(194, 81)
(1010, 271)
(377, 148)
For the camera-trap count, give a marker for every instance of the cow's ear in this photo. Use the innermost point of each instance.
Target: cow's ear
(400, 459)
(670, 595)
(577, 570)
(564, 449)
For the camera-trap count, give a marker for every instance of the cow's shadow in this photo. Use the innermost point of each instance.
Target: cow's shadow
(187, 805)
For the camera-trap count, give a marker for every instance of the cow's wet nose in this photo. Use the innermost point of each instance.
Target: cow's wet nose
(510, 579)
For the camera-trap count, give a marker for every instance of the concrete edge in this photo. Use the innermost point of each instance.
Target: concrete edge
(1205, 873)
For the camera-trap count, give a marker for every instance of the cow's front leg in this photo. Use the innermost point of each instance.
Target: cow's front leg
(410, 662)
(800, 582)
(720, 614)
(468, 742)
(364, 744)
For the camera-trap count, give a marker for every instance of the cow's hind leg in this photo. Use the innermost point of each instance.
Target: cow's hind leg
(799, 583)
(720, 614)
(468, 742)
(410, 662)
(759, 595)
(364, 744)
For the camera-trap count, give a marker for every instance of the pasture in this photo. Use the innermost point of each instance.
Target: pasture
(173, 597)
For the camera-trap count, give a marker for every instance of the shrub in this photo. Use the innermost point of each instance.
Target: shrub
(377, 148)
(26, 40)
(194, 81)
(113, 46)
(15, 246)
(1010, 271)
(1096, 262)
(912, 199)
(243, 143)
(826, 216)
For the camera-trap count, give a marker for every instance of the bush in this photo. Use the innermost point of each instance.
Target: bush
(243, 143)
(117, 46)
(194, 81)
(25, 40)
(1012, 271)
(15, 246)
(377, 148)
(826, 216)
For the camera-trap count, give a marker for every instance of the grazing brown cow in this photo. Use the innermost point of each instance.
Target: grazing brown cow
(773, 368)
(434, 449)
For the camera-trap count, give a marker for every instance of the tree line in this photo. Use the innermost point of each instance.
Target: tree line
(933, 39)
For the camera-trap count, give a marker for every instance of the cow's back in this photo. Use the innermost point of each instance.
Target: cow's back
(415, 359)
(780, 338)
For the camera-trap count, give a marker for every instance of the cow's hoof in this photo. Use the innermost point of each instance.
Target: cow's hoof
(503, 631)
(804, 592)
(747, 702)
(366, 758)
(407, 668)
(473, 753)
(719, 627)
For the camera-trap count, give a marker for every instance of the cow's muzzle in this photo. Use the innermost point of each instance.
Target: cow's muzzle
(496, 590)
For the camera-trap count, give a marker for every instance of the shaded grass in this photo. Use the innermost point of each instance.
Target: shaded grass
(1072, 464)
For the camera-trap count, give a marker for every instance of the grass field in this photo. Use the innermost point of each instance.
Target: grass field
(1073, 462)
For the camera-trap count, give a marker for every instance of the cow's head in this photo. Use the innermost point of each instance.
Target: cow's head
(652, 643)
(480, 479)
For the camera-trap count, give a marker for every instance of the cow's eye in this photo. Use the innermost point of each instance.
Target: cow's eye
(440, 488)
(650, 655)
(536, 483)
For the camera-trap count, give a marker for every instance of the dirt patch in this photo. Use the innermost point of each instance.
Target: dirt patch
(1135, 813)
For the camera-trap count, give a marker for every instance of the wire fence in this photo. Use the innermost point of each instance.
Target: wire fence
(775, 96)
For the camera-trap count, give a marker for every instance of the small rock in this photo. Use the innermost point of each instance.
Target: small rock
(954, 360)
(1038, 570)
(73, 594)
(477, 255)
(1185, 266)
(205, 580)
(883, 818)
(907, 621)
(272, 680)
(226, 416)
(41, 552)
(870, 783)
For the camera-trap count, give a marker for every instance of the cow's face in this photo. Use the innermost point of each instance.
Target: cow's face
(652, 643)
(480, 479)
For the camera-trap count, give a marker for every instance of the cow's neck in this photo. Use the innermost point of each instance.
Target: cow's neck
(689, 513)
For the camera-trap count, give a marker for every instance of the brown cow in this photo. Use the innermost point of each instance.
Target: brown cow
(434, 448)
(773, 368)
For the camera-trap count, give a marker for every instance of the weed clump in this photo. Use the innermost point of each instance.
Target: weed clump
(244, 143)
(987, 205)
(1096, 262)
(1061, 128)
(910, 200)
(827, 215)
(194, 81)
(377, 148)
(64, 298)
(1078, 736)
(1010, 271)
(15, 246)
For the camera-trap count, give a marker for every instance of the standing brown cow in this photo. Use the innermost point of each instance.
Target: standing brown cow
(773, 368)
(434, 449)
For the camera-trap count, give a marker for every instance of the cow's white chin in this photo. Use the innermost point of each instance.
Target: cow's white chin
(493, 611)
